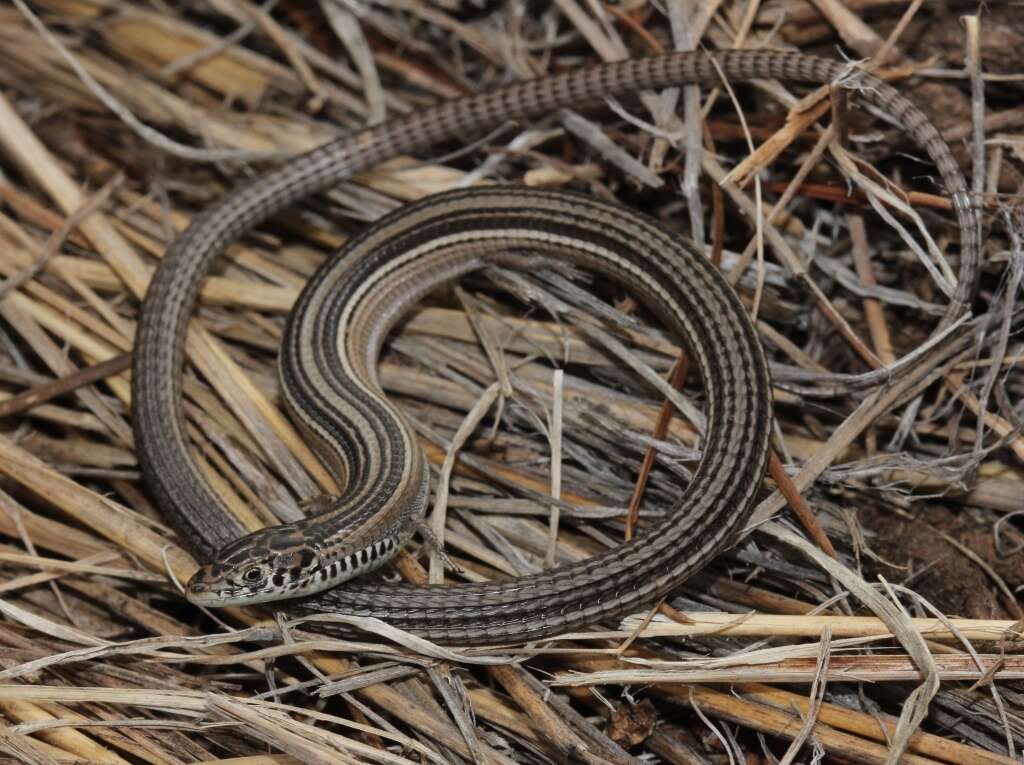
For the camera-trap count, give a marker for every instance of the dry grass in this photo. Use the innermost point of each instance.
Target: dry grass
(118, 123)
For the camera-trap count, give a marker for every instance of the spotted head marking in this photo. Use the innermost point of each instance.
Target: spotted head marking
(271, 564)
(279, 563)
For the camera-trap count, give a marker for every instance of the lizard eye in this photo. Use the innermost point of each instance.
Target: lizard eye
(252, 575)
